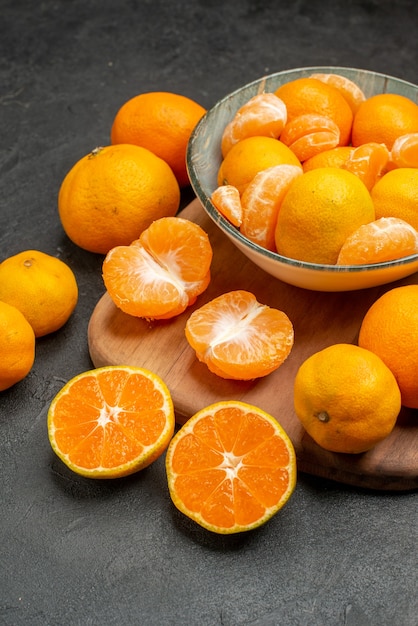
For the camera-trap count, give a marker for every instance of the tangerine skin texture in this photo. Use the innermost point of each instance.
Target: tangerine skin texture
(390, 330)
(346, 398)
(112, 194)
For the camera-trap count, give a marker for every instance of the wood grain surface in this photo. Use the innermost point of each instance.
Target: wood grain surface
(319, 320)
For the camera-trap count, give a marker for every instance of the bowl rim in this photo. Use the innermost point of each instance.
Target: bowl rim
(231, 230)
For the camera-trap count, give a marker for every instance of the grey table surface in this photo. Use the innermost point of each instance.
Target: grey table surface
(83, 552)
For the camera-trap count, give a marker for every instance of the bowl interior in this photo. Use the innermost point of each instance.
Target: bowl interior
(204, 158)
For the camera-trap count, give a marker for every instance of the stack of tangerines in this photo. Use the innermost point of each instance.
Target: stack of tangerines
(319, 173)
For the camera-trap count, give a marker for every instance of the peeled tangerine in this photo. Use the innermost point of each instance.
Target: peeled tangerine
(239, 338)
(160, 274)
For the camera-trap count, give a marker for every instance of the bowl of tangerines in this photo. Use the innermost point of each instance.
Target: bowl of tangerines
(313, 174)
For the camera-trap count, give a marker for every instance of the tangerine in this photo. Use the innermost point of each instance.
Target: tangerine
(111, 421)
(112, 194)
(231, 467)
(162, 122)
(239, 338)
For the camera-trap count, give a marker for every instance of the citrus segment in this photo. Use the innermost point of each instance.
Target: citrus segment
(385, 239)
(250, 156)
(261, 202)
(348, 88)
(404, 151)
(231, 467)
(320, 210)
(309, 134)
(310, 95)
(383, 118)
(42, 287)
(390, 330)
(368, 162)
(17, 346)
(239, 338)
(162, 122)
(346, 398)
(226, 199)
(112, 194)
(159, 275)
(264, 115)
(111, 421)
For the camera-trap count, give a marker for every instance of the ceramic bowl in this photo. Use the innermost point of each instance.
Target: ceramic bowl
(204, 158)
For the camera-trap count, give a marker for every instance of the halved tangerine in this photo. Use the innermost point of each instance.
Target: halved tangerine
(239, 338)
(160, 274)
(231, 467)
(111, 421)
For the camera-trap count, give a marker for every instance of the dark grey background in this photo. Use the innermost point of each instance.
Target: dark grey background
(74, 551)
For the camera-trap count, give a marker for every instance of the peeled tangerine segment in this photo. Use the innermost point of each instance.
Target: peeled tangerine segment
(405, 151)
(226, 199)
(261, 201)
(263, 115)
(239, 338)
(160, 274)
(309, 134)
(385, 239)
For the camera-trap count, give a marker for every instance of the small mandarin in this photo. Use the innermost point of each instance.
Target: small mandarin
(310, 95)
(346, 398)
(250, 156)
(396, 195)
(383, 118)
(17, 346)
(320, 210)
(390, 330)
(162, 122)
(42, 287)
(112, 194)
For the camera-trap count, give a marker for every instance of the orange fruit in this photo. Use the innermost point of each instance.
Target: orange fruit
(348, 88)
(335, 157)
(17, 346)
(239, 338)
(396, 195)
(390, 330)
(261, 202)
(231, 467)
(160, 274)
(42, 287)
(320, 210)
(385, 239)
(226, 199)
(162, 122)
(383, 118)
(346, 398)
(111, 421)
(310, 95)
(368, 162)
(112, 194)
(309, 134)
(404, 151)
(263, 115)
(250, 156)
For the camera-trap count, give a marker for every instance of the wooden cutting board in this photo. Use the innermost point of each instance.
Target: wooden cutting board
(319, 319)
